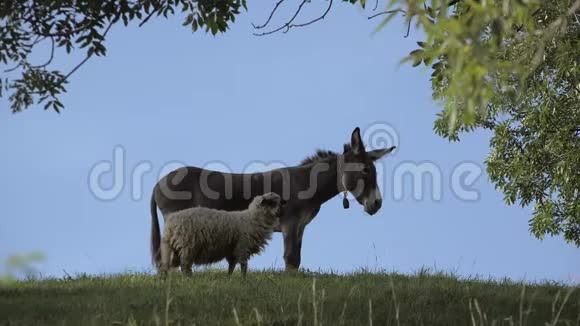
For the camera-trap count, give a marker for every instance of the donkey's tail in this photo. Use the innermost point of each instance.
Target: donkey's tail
(155, 233)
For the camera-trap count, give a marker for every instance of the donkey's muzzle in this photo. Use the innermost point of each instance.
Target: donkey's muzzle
(371, 207)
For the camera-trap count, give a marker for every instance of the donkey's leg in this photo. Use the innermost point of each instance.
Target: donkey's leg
(293, 231)
(292, 246)
(166, 252)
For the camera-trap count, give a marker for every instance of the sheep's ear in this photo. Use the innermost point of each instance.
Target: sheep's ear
(259, 199)
(272, 200)
(269, 201)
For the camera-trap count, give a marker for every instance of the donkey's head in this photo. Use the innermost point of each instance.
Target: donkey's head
(357, 172)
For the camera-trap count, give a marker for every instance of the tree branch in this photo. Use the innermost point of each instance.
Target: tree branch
(35, 26)
(153, 11)
(13, 68)
(270, 17)
(408, 27)
(387, 12)
(51, 56)
(393, 11)
(76, 68)
(89, 55)
(287, 24)
(449, 4)
(314, 20)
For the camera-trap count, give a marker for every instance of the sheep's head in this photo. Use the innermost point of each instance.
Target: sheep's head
(270, 205)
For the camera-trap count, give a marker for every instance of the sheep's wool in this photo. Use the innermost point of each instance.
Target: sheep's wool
(202, 235)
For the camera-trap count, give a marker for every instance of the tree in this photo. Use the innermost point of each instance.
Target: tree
(81, 25)
(510, 66)
(513, 67)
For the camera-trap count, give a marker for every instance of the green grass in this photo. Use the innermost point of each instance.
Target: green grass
(278, 298)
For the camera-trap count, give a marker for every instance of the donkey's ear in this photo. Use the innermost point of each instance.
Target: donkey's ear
(378, 153)
(356, 141)
(346, 148)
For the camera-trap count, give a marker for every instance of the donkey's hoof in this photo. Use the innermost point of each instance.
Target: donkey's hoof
(292, 269)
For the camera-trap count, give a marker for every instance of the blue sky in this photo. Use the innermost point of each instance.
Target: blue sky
(166, 95)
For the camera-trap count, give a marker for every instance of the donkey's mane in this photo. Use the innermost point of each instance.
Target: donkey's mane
(322, 154)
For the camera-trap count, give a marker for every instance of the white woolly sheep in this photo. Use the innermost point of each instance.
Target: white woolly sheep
(201, 235)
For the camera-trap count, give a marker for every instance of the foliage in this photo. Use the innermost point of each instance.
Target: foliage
(81, 25)
(277, 298)
(512, 67)
(21, 265)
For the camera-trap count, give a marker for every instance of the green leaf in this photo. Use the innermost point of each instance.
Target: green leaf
(188, 20)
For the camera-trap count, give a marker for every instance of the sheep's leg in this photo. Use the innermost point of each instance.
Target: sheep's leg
(231, 265)
(240, 255)
(174, 261)
(186, 261)
(186, 269)
(244, 267)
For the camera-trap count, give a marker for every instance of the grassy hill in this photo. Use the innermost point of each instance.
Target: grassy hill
(277, 298)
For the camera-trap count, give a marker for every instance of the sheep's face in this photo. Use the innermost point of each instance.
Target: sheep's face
(270, 204)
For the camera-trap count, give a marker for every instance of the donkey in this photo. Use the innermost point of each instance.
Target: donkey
(305, 188)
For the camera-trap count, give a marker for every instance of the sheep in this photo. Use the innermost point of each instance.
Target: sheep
(201, 235)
